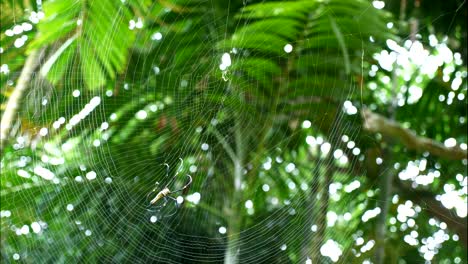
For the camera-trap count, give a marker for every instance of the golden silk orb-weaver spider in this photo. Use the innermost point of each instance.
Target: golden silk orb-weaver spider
(166, 193)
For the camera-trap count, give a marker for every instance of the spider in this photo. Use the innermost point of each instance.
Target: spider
(165, 193)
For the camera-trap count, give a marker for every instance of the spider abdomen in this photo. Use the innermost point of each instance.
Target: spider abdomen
(163, 193)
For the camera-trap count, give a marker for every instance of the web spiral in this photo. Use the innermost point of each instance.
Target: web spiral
(215, 97)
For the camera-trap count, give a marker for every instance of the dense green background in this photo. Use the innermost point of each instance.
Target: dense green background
(276, 124)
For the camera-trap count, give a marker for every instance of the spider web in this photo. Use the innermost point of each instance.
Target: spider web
(96, 156)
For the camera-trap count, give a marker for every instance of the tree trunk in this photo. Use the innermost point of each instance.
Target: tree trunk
(322, 209)
(15, 99)
(384, 204)
(386, 182)
(234, 219)
(316, 209)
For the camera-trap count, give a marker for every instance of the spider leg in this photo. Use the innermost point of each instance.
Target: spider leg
(165, 201)
(186, 185)
(154, 208)
(167, 171)
(177, 172)
(175, 208)
(170, 197)
(148, 196)
(180, 167)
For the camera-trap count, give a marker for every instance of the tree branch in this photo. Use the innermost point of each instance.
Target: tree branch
(15, 99)
(435, 208)
(224, 143)
(378, 124)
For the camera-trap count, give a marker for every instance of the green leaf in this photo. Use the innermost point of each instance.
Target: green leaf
(283, 27)
(100, 35)
(297, 10)
(341, 42)
(262, 42)
(56, 66)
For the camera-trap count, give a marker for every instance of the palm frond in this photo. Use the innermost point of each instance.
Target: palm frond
(95, 35)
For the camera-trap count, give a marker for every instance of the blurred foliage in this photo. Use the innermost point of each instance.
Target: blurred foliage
(125, 86)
